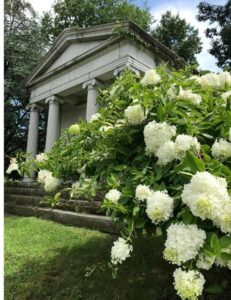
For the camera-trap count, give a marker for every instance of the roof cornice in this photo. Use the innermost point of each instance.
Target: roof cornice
(105, 32)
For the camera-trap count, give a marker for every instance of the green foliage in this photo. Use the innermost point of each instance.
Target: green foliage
(110, 153)
(81, 13)
(179, 36)
(219, 35)
(24, 47)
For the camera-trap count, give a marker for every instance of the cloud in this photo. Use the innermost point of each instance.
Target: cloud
(189, 12)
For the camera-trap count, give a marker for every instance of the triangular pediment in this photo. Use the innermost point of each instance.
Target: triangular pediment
(76, 44)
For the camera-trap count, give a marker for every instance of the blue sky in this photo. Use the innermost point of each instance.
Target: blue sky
(186, 8)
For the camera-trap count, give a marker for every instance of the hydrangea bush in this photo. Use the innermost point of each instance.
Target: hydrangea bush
(158, 155)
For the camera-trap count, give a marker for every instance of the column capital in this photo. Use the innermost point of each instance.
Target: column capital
(54, 99)
(34, 107)
(121, 69)
(92, 83)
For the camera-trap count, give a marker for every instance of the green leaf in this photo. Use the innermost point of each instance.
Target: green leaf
(214, 289)
(214, 243)
(136, 211)
(195, 163)
(225, 256)
(225, 241)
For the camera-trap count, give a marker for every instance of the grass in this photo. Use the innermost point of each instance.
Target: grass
(46, 260)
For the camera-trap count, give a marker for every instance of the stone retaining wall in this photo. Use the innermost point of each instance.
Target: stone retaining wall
(27, 199)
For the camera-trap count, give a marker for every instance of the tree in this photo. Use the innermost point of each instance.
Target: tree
(179, 36)
(220, 35)
(23, 50)
(83, 13)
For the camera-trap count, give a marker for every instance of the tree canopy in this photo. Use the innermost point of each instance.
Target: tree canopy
(220, 35)
(81, 13)
(23, 49)
(179, 36)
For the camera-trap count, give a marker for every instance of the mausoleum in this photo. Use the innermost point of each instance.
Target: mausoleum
(80, 61)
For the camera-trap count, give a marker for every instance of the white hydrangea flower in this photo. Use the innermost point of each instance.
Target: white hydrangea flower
(51, 184)
(120, 251)
(150, 77)
(184, 142)
(142, 192)
(188, 284)
(189, 96)
(215, 80)
(94, 117)
(46, 178)
(13, 166)
(207, 197)
(41, 158)
(135, 114)
(156, 134)
(159, 207)
(225, 96)
(106, 128)
(209, 80)
(224, 79)
(113, 195)
(166, 153)
(74, 129)
(221, 149)
(183, 242)
(205, 262)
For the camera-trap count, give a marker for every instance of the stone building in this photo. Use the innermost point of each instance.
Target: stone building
(66, 81)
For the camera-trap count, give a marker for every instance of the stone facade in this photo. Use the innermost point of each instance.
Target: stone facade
(67, 79)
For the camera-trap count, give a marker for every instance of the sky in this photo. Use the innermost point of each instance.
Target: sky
(187, 9)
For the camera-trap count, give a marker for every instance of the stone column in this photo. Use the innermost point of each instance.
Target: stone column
(92, 94)
(32, 140)
(53, 124)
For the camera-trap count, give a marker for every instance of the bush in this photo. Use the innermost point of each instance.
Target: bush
(158, 154)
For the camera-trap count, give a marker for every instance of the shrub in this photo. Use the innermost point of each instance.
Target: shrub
(158, 154)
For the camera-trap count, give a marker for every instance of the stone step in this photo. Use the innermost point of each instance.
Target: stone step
(91, 221)
(18, 190)
(72, 205)
(23, 199)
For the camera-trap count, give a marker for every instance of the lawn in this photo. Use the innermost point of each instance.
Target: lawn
(46, 260)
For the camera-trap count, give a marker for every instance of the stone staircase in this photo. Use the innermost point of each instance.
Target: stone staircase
(27, 199)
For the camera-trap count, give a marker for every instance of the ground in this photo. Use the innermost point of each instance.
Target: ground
(46, 260)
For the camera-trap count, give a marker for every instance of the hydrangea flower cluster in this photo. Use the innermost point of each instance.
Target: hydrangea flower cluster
(221, 149)
(41, 158)
(188, 284)
(142, 192)
(207, 197)
(157, 137)
(159, 207)
(95, 117)
(120, 251)
(156, 134)
(46, 178)
(13, 166)
(225, 96)
(214, 80)
(135, 114)
(183, 242)
(188, 95)
(150, 77)
(113, 195)
(74, 129)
